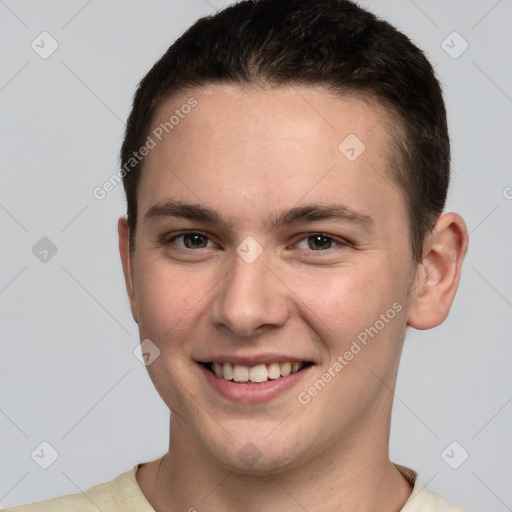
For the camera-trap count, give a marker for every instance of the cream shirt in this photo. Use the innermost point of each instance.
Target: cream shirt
(124, 495)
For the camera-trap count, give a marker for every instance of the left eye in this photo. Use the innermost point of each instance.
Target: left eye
(319, 242)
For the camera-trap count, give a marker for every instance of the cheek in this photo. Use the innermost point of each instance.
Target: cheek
(168, 299)
(358, 309)
(346, 299)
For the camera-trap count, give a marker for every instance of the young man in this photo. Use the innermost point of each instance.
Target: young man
(286, 165)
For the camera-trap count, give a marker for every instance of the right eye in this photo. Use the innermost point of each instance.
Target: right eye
(190, 240)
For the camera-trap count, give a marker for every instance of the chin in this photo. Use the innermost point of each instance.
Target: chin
(250, 460)
(258, 454)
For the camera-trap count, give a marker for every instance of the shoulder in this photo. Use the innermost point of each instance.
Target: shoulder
(100, 497)
(429, 501)
(423, 499)
(82, 502)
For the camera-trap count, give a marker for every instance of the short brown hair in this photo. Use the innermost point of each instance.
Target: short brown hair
(330, 43)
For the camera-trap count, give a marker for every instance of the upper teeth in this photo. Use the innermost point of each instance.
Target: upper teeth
(258, 373)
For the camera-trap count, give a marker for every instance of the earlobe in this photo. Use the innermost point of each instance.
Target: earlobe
(439, 272)
(126, 260)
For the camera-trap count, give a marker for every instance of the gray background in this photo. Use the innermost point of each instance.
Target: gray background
(68, 372)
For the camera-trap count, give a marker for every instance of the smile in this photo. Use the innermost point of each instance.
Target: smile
(255, 374)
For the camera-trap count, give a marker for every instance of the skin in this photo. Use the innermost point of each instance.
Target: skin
(249, 153)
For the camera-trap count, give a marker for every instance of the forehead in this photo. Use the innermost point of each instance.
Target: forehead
(251, 149)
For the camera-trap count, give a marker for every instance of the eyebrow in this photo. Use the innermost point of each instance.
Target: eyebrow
(307, 213)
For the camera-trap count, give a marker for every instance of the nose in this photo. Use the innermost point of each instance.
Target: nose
(249, 298)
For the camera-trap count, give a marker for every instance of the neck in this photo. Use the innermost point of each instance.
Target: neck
(340, 480)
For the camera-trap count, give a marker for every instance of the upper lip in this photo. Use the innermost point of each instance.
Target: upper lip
(252, 360)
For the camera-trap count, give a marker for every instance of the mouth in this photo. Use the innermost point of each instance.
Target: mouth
(256, 374)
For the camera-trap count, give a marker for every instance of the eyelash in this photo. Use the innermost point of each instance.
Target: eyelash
(332, 239)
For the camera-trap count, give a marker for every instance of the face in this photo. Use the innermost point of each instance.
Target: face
(269, 232)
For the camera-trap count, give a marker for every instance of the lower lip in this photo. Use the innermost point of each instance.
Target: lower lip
(254, 392)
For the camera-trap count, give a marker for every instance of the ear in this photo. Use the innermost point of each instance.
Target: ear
(438, 275)
(126, 259)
